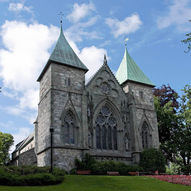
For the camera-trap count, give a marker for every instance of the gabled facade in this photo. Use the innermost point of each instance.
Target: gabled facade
(110, 117)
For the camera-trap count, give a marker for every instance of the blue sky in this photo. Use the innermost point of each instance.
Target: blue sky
(29, 30)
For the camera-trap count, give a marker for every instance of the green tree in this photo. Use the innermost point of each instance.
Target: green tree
(6, 141)
(184, 141)
(187, 41)
(166, 105)
(174, 123)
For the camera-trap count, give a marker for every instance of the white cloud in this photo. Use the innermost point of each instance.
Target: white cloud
(33, 96)
(11, 94)
(16, 110)
(80, 11)
(17, 7)
(178, 14)
(78, 31)
(24, 55)
(92, 57)
(128, 25)
(22, 60)
(21, 134)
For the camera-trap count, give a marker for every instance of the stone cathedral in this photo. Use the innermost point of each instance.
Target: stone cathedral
(111, 117)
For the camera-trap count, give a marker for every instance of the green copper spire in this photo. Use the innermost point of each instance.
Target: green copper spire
(129, 70)
(64, 54)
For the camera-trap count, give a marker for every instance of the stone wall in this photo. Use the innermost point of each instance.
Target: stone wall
(27, 158)
(65, 158)
(66, 93)
(142, 109)
(43, 122)
(43, 158)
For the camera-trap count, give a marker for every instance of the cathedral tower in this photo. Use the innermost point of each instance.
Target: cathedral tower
(138, 89)
(60, 109)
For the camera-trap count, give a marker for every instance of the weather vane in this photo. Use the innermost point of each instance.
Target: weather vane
(126, 42)
(61, 14)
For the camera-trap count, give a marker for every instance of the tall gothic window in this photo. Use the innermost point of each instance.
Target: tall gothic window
(145, 135)
(106, 129)
(69, 128)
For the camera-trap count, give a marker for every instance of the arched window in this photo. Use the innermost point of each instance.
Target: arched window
(144, 135)
(106, 129)
(69, 128)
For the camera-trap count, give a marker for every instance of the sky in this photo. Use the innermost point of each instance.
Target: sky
(29, 30)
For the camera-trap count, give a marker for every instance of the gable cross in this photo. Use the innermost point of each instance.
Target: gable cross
(61, 14)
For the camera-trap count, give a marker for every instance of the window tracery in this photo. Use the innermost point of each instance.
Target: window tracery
(126, 142)
(106, 129)
(69, 128)
(105, 88)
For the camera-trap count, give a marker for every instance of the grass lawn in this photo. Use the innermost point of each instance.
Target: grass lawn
(104, 183)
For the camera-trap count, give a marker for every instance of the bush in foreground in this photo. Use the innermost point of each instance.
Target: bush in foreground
(102, 167)
(30, 176)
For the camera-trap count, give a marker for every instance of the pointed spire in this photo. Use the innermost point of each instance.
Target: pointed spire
(64, 54)
(129, 70)
(105, 59)
(61, 30)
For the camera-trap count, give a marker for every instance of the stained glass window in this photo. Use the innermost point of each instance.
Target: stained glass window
(106, 129)
(115, 138)
(69, 128)
(109, 138)
(66, 132)
(105, 88)
(144, 135)
(104, 135)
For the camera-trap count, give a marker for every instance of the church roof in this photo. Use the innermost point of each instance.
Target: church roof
(64, 54)
(130, 71)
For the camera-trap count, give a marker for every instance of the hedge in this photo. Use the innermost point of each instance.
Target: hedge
(151, 160)
(102, 167)
(30, 176)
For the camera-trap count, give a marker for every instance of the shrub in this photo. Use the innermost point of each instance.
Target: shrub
(30, 176)
(122, 168)
(173, 169)
(152, 160)
(40, 179)
(97, 168)
(125, 169)
(73, 171)
(102, 167)
(58, 172)
(84, 164)
(186, 169)
(24, 170)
